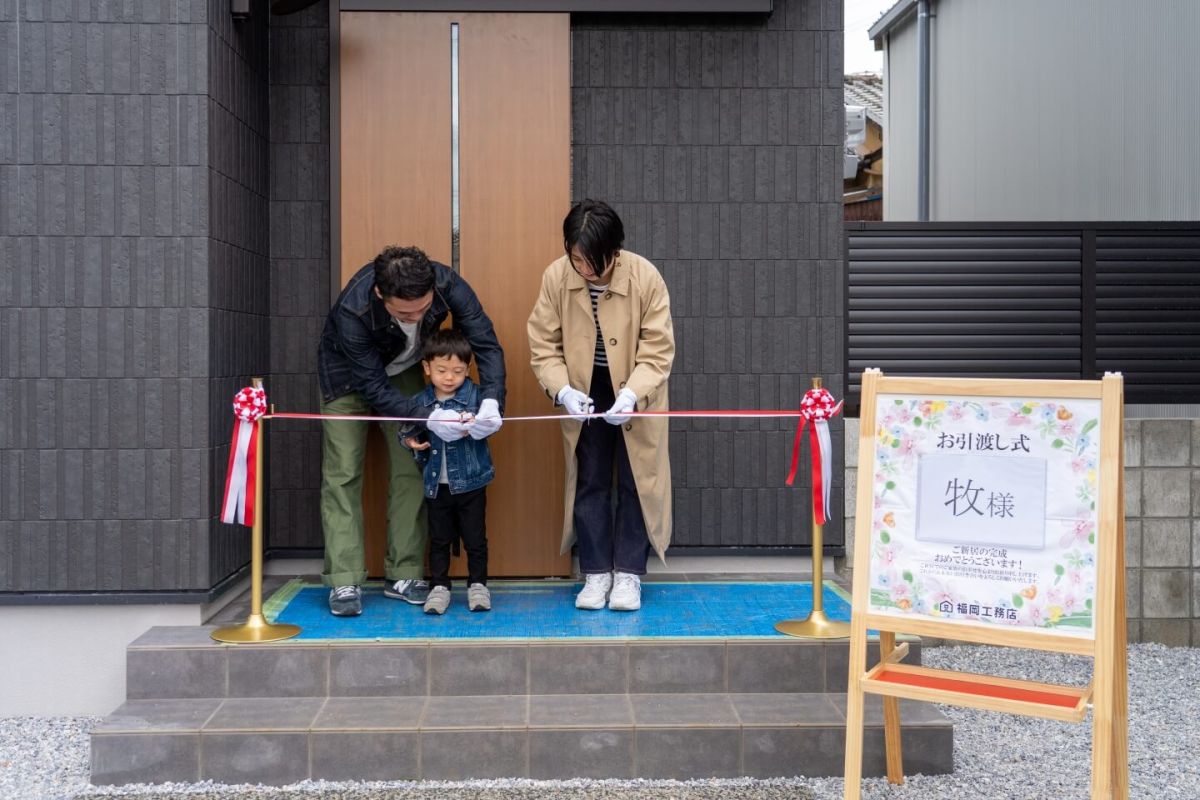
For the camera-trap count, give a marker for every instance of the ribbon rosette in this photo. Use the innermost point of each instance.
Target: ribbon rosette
(238, 506)
(817, 407)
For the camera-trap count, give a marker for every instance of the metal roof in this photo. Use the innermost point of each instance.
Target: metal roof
(889, 19)
(866, 89)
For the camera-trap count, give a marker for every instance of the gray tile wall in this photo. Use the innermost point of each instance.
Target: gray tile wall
(164, 229)
(133, 222)
(239, 244)
(1162, 527)
(299, 285)
(718, 140)
(105, 432)
(1162, 531)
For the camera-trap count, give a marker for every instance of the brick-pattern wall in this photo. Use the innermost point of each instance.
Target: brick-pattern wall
(239, 244)
(105, 435)
(1162, 527)
(300, 290)
(1162, 530)
(718, 140)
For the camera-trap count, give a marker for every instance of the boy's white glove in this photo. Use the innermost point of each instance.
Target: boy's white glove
(487, 421)
(447, 425)
(619, 413)
(577, 404)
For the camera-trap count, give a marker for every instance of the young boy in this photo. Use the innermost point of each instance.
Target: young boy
(455, 472)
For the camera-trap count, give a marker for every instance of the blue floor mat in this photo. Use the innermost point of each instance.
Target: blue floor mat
(543, 610)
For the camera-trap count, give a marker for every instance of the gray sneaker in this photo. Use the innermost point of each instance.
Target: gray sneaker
(410, 591)
(439, 600)
(479, 598)
(345, 601)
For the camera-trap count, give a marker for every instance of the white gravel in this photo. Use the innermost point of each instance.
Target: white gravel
(996, 756)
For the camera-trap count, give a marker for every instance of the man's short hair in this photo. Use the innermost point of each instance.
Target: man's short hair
(403, 272)
(593, 227)
(447, 342)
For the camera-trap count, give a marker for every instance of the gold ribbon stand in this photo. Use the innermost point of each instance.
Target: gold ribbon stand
(256, 628)
(816, 625)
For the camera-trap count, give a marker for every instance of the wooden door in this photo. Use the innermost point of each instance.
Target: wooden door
(513, 73)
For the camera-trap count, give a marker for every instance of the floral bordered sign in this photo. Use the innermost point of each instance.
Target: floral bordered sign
(940, 547)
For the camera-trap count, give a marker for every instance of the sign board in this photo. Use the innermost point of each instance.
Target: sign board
(991, 511)
(984, 511)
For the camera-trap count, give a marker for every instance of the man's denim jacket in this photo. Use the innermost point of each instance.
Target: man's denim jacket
(468, 462)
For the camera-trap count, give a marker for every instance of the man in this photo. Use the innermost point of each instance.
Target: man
(601, 339)
(369, 363)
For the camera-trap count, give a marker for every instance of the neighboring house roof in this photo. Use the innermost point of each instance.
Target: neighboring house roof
(889, 19)
(866, 89)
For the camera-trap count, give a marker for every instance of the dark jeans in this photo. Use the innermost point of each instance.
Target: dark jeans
(607, 541)
(453, 517)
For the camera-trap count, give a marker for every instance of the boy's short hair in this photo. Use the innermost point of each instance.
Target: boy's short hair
(448, 342)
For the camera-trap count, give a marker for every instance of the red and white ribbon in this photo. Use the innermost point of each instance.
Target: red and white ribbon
(238, 506)
(818, 407)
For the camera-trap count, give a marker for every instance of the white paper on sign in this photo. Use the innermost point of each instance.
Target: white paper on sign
(981, 500)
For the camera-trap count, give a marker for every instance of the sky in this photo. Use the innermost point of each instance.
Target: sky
(860, 51)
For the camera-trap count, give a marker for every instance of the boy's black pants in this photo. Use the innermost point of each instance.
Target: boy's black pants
(453, 517)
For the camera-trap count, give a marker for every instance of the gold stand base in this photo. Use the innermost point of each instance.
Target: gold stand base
(817, 626)
(255, 629)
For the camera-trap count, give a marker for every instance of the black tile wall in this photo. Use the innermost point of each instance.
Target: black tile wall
(105, 434)
(718, 139)
(133, 294)
(239, 241)
(164, 232)
(299, 265)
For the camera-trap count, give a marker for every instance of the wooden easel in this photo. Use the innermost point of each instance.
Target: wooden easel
(1104, 641)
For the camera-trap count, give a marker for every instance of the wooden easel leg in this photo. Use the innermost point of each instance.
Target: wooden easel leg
(891, 720)
(1102, 724)
(854, 714)
(1120, 713)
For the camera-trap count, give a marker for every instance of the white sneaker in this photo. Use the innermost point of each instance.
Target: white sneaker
(626, 594)
(595, 591)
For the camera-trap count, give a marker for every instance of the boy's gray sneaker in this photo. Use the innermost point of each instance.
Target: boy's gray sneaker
(410, 591)
(439, 600)
(479, 598)
(345, 601)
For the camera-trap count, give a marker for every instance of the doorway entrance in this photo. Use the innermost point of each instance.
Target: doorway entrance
(455, 138)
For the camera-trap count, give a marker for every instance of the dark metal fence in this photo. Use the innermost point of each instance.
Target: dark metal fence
(1027, 300)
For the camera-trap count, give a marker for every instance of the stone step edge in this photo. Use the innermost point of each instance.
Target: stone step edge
(540, 754)
(499, 712)
(453, 668)
(198, 638)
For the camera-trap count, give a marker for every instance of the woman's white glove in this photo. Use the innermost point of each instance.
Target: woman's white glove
(487, 421)
(447, 425)
(619, 413)
(577, 404)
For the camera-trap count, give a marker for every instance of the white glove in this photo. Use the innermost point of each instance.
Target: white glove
(577, 404)
(447, 425)
(487, 421)
(619, 413)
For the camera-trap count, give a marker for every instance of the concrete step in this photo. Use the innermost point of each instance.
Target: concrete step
(184, 662)
(682, 735)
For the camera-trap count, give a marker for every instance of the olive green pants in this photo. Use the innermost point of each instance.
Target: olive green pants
(344, 450)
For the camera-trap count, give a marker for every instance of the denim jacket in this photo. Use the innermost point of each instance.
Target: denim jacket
(468, 461)
(359, 340)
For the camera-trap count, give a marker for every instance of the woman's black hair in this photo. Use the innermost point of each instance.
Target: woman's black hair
(447, 342)
(403, 272)
(593, 227)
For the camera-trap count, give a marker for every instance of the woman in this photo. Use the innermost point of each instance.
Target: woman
(601, 339)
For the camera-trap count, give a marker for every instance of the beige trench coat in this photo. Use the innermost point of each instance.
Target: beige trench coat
(635, 320)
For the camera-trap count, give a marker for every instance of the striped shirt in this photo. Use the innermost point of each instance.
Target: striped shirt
(601, 356)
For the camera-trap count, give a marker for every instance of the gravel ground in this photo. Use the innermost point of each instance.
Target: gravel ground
(996, 756)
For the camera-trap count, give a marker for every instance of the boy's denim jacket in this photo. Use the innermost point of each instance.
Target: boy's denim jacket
(468, 462)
